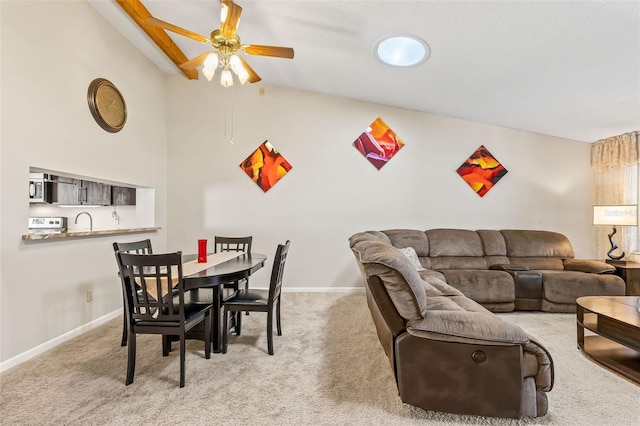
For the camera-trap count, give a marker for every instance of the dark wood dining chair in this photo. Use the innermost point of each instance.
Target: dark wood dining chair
(155, 311)
(137, 247)
(259, 300)
(233, 244)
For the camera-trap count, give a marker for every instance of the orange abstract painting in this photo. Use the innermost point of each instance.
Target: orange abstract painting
(378, 143)
(481, 171)
(265, 166)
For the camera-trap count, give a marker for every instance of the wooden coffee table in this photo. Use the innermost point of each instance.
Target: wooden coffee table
(615, 320)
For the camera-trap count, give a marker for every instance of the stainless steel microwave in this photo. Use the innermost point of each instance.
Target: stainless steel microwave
(40, 187)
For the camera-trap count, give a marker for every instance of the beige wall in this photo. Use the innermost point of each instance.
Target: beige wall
(51, 51)
(333, 192)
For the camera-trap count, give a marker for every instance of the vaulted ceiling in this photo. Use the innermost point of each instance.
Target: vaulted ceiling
(564, 68)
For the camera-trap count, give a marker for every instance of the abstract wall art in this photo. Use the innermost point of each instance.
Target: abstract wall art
(265, 166)
(481, 171)
(378, 143)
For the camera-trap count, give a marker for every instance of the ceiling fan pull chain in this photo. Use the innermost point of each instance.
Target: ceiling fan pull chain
(228, 114)
(232, 109)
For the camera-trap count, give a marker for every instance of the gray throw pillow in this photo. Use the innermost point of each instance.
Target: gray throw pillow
(411, 254)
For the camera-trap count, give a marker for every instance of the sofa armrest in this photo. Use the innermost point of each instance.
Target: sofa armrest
(508, 267)
(545, 374)
(588, 266)
(464, 326)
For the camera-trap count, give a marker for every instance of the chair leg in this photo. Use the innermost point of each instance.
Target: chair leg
(124, 330)
(131, 359)
(207, 335)
(238, 323)
(183, 349)
(278, 323)
(225, 329)
(166, 345)
(270, 331)
(246, 287)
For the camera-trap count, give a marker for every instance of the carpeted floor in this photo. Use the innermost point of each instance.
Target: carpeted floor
(328, 369)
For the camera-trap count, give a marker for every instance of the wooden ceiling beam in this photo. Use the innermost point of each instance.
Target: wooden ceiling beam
(136, 11)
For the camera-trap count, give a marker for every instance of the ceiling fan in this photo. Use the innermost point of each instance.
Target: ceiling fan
(227, 43)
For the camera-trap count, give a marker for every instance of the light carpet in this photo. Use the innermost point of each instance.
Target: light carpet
(328, 369)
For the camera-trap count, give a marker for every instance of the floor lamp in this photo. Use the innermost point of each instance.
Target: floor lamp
(623, 215)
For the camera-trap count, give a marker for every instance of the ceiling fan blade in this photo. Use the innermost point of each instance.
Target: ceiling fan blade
(275, 51)
(167, 26)
(229, 18)
(196, 62)
(253, 76)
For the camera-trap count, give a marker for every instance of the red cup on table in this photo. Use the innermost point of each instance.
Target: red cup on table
(202, 251)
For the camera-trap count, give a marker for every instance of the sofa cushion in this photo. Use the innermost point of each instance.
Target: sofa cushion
(368, 236)
(454, 320)
(528, 243)
(454, 242)
(567, 286)
(483, 286)
(589, 266)
(427, 274)
(403, 283)
(458, 262)
(436, 287)
(537, 262)
(492, 242)
(401, 238)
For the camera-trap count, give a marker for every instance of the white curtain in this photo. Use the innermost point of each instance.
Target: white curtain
(615, 165)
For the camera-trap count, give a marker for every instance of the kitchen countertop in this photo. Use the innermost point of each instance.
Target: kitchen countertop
(85, 234)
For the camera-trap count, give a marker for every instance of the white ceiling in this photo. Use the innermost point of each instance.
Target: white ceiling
(563, 68)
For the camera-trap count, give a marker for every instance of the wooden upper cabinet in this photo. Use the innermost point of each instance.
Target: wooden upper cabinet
(96, 193)
(71, 192)
(123, 196)
(66, 191)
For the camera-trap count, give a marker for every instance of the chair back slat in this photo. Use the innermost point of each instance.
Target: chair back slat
(159, 277)
(232, 244)
(277, 272)
(137, 247)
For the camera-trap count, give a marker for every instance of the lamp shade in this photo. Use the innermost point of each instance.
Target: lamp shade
(626, 215)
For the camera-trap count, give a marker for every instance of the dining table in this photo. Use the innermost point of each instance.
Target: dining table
(220, 268)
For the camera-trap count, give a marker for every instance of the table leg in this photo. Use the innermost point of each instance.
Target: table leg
(580, 326)
(216, 330)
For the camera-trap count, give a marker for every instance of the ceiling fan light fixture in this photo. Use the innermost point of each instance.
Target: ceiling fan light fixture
(226, 78)
(208, 73)
(243, 75)
(210, 65)
(238, 69)
(235, 63)
(402, 50)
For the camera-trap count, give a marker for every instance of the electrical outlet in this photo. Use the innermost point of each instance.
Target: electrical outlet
(89, 295)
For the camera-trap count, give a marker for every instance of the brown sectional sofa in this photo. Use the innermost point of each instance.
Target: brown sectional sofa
(447, 351)
(509, 269)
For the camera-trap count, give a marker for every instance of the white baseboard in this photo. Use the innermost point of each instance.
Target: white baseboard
(25, 356)
(322, 289)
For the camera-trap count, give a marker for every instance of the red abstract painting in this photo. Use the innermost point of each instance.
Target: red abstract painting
(378, 143)
(265, 166)
(481, 171)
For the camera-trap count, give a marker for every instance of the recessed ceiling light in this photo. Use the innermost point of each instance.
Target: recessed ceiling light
(402, 50)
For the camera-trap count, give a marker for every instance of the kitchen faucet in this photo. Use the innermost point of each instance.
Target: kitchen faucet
(90, 220)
